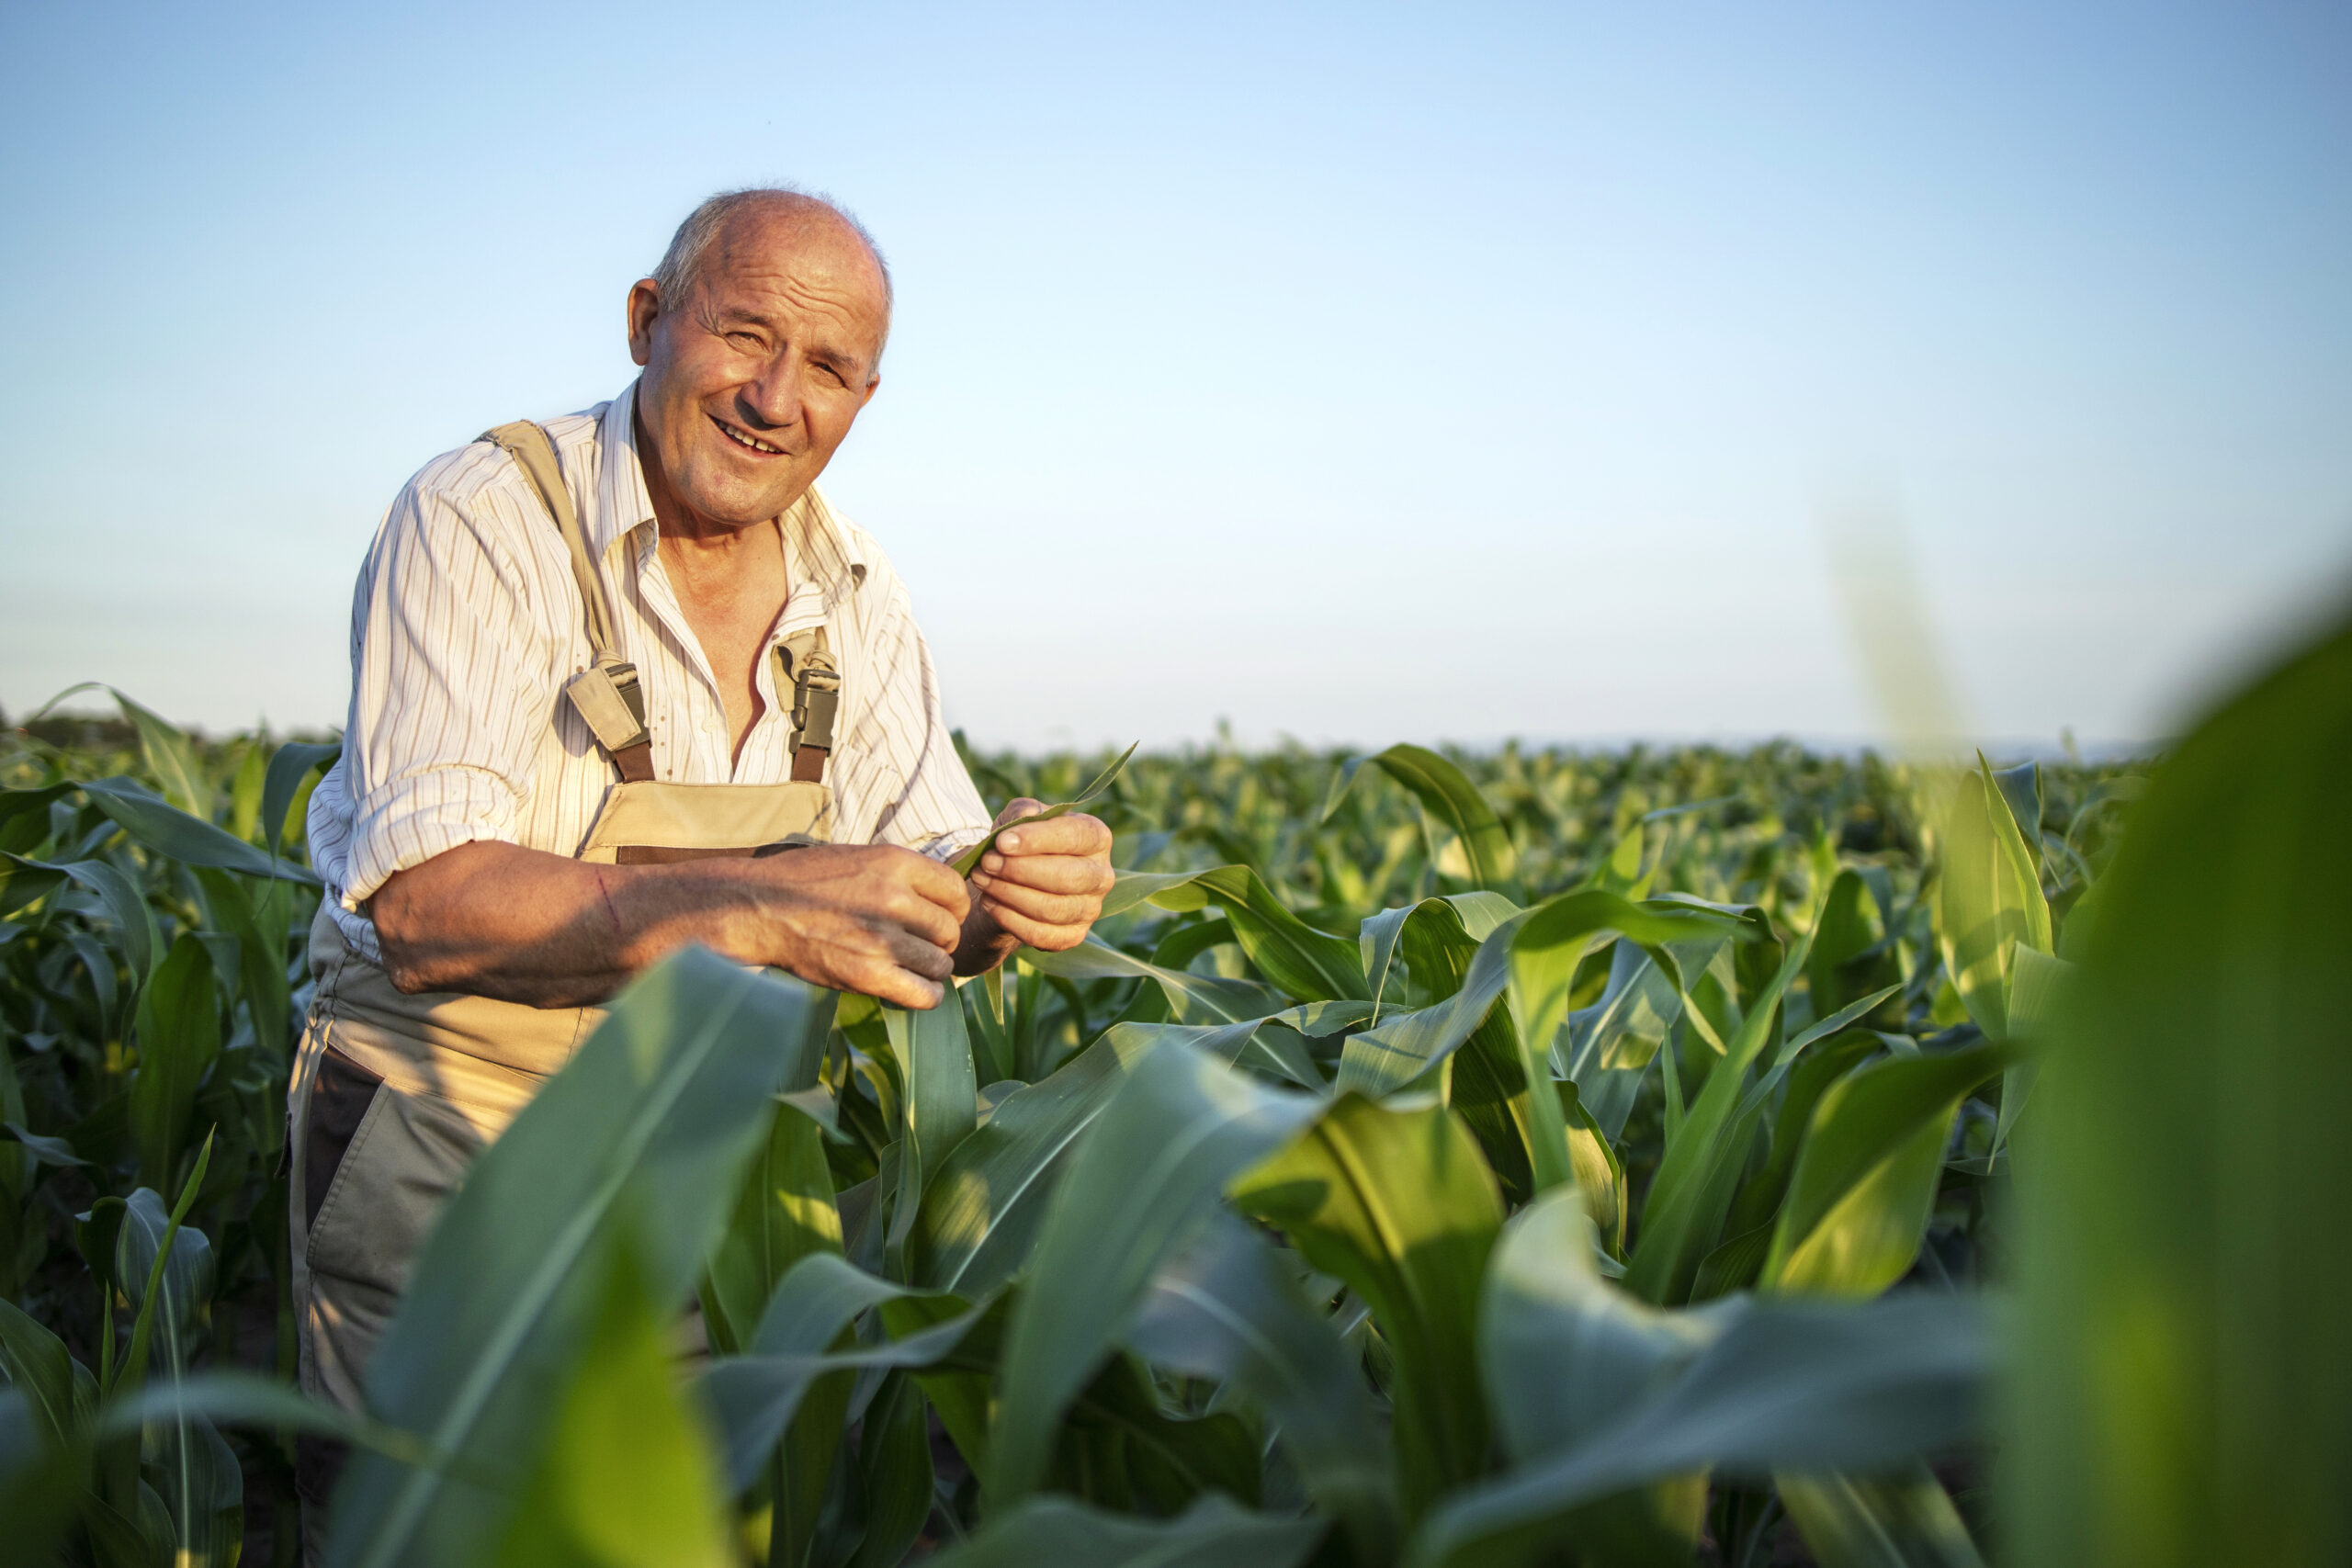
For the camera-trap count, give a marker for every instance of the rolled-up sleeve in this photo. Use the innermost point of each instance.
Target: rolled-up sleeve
(449, 698)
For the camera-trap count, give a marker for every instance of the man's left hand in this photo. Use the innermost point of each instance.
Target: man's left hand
(1041, 884)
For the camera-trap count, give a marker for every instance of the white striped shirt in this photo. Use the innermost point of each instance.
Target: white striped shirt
(466, 621)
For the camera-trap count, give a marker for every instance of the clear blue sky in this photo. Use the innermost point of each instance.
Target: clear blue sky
(1448, 372)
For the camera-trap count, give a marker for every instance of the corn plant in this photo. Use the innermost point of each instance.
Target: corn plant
(1430, 1160)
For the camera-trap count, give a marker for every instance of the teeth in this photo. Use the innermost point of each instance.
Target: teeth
(742, 439)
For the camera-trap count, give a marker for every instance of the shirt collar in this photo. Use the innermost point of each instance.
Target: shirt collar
(623, 503)
(821, 544)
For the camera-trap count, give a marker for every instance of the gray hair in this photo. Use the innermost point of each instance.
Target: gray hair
(681, 264)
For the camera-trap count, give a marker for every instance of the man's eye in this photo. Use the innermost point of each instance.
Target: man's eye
(744, 339)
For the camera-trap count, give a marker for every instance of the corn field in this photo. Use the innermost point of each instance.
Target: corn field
(1433, 1160)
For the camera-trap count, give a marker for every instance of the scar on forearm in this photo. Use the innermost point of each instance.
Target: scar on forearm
(605, 892)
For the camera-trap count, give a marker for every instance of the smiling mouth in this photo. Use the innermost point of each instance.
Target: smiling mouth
(746, 440)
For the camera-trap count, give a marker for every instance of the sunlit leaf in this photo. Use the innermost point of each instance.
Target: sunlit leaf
(1400, 1205)
(1179, 1128)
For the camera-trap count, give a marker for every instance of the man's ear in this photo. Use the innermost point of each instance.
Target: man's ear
(644, 305)
(863, 398)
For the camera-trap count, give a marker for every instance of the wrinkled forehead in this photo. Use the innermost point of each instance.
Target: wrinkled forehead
(808, 260)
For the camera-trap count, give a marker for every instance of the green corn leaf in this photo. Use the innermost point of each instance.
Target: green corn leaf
(894, 1471)
(244, 793)
(2036, 983)
(1180, 1127)
(97, 1236)
(48, 1151)
(288, 766)
(1866, 1178)
(232, 1398)
(1196, 998)
(1620, 872)
(1228, 1307)
(197, 1480)
(57, 1391)
(657, 1112)
(959, 1384)
(964, 862)
(1600, 1173)
(784, 1212)
(1484, 1078)
(983, 1210)
(2183, 1371)
(162, 745)
(1305, 963)
(1624, 1027)
(627, 1474)
(1563, 1355)
(165, 1271)
(1400, 1205)
(1212, 1533)
(1381, 1060)
(261, 960)
(1121, 1447)
(2021, 790)
(1606, 1048)
(943, 1106)
(1808, 1078)
(1692, 1192)
(1454, 802)
(125, 905)
(1342, 780)
(179, 1038)
(1545, 951)
(1903, 1520)
(1849, 955)
(1472, 917)
(1988, 898)
(1782, 1388)
(41, 1485)
(161, 828)
(756, 1395)
(1748, 1222)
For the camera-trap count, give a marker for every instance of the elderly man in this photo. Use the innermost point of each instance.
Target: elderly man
(620, 684)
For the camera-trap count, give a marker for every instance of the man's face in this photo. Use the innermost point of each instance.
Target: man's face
(754, 377)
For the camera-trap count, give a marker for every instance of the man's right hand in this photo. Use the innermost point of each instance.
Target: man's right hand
(874, 919)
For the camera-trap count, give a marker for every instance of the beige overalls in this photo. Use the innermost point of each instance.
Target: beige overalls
(393, 1095)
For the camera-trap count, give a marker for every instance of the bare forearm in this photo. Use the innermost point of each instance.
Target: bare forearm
(522, 925)
(494, 920)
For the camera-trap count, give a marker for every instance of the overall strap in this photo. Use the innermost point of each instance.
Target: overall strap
(805, 661)
(609, 696)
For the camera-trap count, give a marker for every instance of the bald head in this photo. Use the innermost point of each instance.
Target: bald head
(758, 216)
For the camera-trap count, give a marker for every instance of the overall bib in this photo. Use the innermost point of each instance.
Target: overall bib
(394, 1095)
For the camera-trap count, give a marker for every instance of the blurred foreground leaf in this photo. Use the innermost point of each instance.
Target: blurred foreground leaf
(2185, 1368)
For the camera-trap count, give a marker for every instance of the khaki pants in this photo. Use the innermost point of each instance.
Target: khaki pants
(393, 1097)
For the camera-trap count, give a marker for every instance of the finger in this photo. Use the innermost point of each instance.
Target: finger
(920, 956)
(908, 911)
(933, 882)
(1074, 834)
(1054, 909)
(901, 989)
(1050, 873)
(1016, 808)
(1042, 935)
(914, 920)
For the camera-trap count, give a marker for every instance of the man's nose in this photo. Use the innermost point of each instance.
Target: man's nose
(775, 396)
